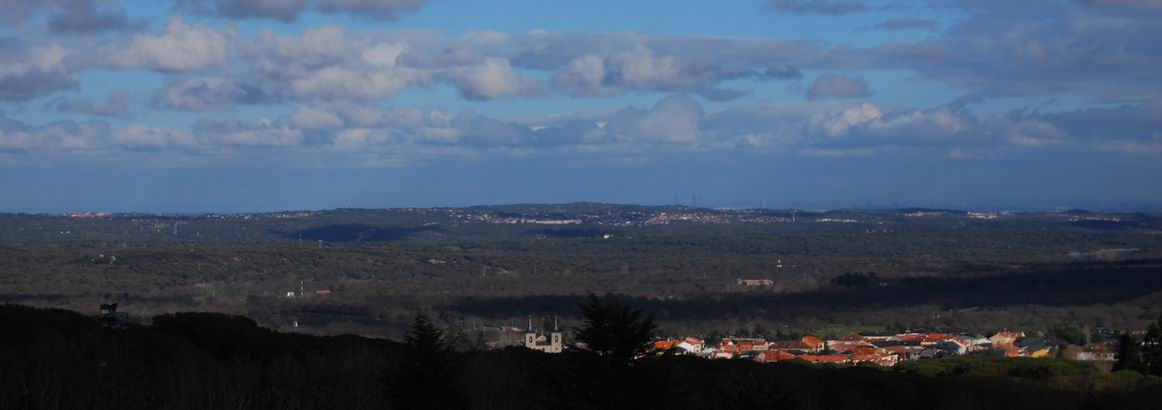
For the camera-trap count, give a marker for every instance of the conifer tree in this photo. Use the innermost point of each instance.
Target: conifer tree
(605, 366)
(423, 378)
(1129, 355)
(1152, 348)
(614, 331)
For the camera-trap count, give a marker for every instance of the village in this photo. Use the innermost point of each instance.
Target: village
(852, 349)
(881, 350)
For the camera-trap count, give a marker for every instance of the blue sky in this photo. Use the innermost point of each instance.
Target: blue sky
(236, 105)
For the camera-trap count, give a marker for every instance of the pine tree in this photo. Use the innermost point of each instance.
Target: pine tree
(1152, 348)
(614, 331)
(425, 372)
(605, 361)
(481, 343)
(1129, 355)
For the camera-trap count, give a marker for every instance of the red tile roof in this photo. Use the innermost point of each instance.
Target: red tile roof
(825, 358)
(852, 337)
(789, 345)
(777, 356)
(813, 341)
(910, 337)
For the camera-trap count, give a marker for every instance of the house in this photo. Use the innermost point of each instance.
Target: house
(885, 359)
(721, 355)
(980, 345)
(665, 345)
(756, 282)
(742, 345)
(1036, 347)
(844, 346)
(754, 356)
(952, 346)
(693, 344)
(908, 339)
(1006, 338)
(791, 346)
(815, 343)
(930, 339)
(772, 356)
(1097, 353)
(678, 346)
(864, 350)
(904, 352)
(826, 358)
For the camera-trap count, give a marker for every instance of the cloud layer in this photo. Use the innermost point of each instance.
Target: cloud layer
(330, 91)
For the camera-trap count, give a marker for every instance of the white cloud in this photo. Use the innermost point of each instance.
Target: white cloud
(674, 119)
(30, 72)
(584, 75)
(338, 83)
(145, 137)
(384, 54)
(838, 125)
(633, 68)
(492, 79)
(263, 133)
(182, 47)
(200, 93)
(313, 118)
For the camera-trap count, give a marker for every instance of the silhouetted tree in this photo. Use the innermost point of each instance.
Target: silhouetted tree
(608, 345)
(613, 331)
(1152, 348)
(480, 343)
(422, 381)
(1129, 355)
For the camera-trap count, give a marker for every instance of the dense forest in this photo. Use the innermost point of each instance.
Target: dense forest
(366, 271)
(55, 359)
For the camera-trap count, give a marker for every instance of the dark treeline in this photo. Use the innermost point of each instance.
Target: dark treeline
(1068, 285)
(55, 359)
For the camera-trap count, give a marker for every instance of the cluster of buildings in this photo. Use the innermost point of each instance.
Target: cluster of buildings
(882, 350)
(89, 215)
(544, 340)
(534, 221)
(666, 218)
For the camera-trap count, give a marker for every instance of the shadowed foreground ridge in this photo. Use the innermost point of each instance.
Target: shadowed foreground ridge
(56, 359)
